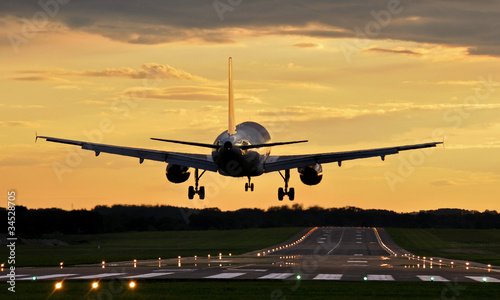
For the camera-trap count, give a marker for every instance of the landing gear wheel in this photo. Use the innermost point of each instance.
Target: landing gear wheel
(249, 185)
(291, 194)
(194, 190)
(191, 192)
(201, 193)
(281, 193)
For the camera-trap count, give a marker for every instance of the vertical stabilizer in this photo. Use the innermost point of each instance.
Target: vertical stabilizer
(231, 126)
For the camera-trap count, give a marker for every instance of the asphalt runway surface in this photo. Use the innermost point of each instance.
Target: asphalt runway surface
(329, 253)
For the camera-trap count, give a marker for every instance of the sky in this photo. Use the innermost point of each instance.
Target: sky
(346, 75)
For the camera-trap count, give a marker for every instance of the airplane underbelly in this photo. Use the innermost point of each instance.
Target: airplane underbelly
(240, 165)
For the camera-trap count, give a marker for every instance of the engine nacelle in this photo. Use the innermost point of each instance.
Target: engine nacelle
(176, 173)
(311, 175)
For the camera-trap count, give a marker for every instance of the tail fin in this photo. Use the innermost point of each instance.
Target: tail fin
(231, 126)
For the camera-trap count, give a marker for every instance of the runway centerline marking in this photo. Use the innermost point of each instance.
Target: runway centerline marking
(225, 275)
(340, 240)
(276, 276)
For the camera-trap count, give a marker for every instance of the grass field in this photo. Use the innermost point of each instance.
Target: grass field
(149, 245)
(254, 289)
(479, 245)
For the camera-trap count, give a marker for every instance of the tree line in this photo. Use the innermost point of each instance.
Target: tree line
(31, 223)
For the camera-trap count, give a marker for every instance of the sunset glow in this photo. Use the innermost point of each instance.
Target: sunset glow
(344, 78)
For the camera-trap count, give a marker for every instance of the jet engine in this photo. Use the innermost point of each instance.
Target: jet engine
(311, 175)
(176, 173)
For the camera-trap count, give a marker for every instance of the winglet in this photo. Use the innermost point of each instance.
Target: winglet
(36, 136)
(231, 126)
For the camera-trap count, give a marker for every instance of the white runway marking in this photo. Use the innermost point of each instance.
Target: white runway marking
(98, 276)
(225, 275)
(276, 276)
(147, 275)
(47, 276)
(328, 277)
(7, 276)
(436, 278)
(480, 278)
(357, 254)
(357, 261)
(380, 277)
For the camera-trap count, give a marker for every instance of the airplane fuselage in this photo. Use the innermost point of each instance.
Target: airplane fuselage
(232, 160)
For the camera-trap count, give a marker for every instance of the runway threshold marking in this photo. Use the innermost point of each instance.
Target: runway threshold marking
(224, 275)
(47, 276)
(147, 275)
(436, 278)
(480, 278)
(328, 277)
(95, 276)
(276, 276)
(376, 277)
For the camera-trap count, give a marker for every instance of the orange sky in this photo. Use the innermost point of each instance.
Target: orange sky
(306, 77)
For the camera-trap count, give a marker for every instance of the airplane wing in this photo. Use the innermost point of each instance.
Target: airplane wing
(198, 161)
(277, 163)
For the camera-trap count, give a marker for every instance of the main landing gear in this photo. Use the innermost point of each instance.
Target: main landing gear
(248, 185)
(194, 190)
(289, 192)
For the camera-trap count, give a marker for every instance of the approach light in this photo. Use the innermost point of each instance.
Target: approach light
(58, 285)
(131, 284)
(95, 285)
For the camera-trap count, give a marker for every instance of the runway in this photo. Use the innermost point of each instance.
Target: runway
(330, 253)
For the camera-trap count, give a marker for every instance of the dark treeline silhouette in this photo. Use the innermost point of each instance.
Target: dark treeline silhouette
(121, 218)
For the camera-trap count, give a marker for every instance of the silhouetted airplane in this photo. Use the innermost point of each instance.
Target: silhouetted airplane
(241, 151)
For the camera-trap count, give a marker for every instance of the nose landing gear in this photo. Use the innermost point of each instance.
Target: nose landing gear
(195, 190)
(286, 192)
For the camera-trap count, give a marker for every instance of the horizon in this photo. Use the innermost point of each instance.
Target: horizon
(344, 75)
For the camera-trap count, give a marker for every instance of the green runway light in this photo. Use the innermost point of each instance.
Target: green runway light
(432, 278)
(485, 279)
(33, 278)
(298, 277)
(365, 278)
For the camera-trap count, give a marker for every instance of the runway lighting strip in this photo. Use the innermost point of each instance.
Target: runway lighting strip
(382, 243)
(451, 264)
(287, 245)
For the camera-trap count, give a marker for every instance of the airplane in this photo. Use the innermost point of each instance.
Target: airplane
(242, 150)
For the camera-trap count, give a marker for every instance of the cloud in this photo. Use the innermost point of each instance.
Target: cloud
(408, 52)
(468, 24)
(307, 45)
(17, 124)
(149, 70)
(189, 93)
(40, 78)
(445, 182)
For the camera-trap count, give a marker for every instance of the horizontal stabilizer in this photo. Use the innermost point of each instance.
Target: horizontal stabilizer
(188, 143)
(271, 144)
